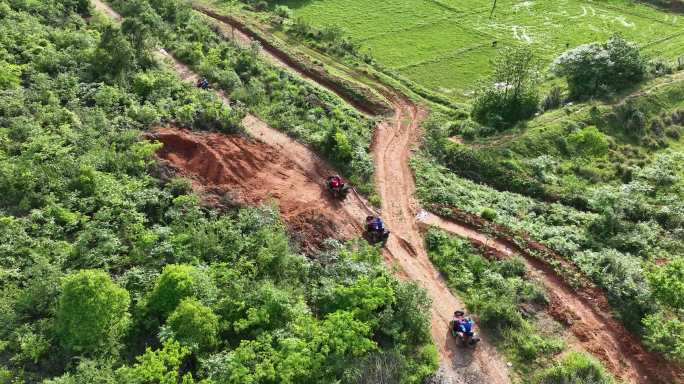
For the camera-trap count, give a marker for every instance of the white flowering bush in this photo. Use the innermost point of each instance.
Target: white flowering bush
(598, 69)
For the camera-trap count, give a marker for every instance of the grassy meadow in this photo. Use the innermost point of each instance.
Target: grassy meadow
(446, 45)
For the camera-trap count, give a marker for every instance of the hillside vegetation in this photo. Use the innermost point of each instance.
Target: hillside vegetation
(112, 275)
(580, 181)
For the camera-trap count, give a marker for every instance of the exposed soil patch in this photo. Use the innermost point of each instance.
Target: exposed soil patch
(284, 170)
(254, 173)
(584, 309)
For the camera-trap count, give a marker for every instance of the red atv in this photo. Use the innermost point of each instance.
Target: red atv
(337, 187)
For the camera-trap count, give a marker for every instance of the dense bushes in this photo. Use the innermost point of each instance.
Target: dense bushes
(600, 69)
(512, 93)
(89, 240)
(193, 325)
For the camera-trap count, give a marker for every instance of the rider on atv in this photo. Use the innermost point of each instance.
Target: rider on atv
(337, 186)
(463, 328)
(375, 229)
(203, 83)
(374, 224)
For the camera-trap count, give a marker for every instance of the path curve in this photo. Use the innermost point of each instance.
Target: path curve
(392, 147)
(597, 331)
(391, 150)
(586, 313)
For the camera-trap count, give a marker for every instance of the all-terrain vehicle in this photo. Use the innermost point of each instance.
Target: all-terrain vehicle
(337, 187)
(203, 83)
(375, 231)
(462, 328)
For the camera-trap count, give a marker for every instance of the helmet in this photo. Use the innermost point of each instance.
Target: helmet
(369, 218)
(459, 313)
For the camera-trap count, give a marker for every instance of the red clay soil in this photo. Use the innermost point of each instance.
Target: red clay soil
(583, 309)
(392, 146)
(253, 173)
(284, 170)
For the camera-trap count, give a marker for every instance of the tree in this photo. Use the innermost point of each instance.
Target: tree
(176, 282)
(511, 95)
(667, 282)
(114, 56)
(597, 69)
(92, 312)
(193, 325)
(665, 334)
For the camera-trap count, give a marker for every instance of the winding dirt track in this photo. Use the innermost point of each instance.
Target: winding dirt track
(282, 169)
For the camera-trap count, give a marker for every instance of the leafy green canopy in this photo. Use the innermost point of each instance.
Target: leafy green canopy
(193, 325)
(89, 237)
(92, 312)
(599, 69)
(511, 95)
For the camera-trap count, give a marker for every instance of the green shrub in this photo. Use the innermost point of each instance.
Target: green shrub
(576, 368)
(630, 119)
(161, 366)
(498, 315)
(598, 69)
(553, 99)
(193, 325)
(176, 282)
(665, 334)
(667, 282)
(530, 346)
(92, 312)
(588, 142)
(489, 214)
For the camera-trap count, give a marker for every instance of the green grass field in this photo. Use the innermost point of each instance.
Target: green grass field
(446, 45)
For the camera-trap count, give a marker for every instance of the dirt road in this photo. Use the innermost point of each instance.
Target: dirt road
(234, 164)
(596, 331)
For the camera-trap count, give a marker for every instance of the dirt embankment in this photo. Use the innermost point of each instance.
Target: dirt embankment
(583, 309)
(361, 98)
(251, 172)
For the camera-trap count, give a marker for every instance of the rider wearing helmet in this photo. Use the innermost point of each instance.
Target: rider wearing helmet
(463, 326)
(374, 224)
(335, 182)
(203, 83)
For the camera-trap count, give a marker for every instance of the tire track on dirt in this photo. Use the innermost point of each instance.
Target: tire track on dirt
(585, 313)
(392, 148)
(597, 330)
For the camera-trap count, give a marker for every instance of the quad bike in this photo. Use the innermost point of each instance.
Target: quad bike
(467, 339)
(375, 234)
(377, 237)
(203, 83)
(339, 192)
